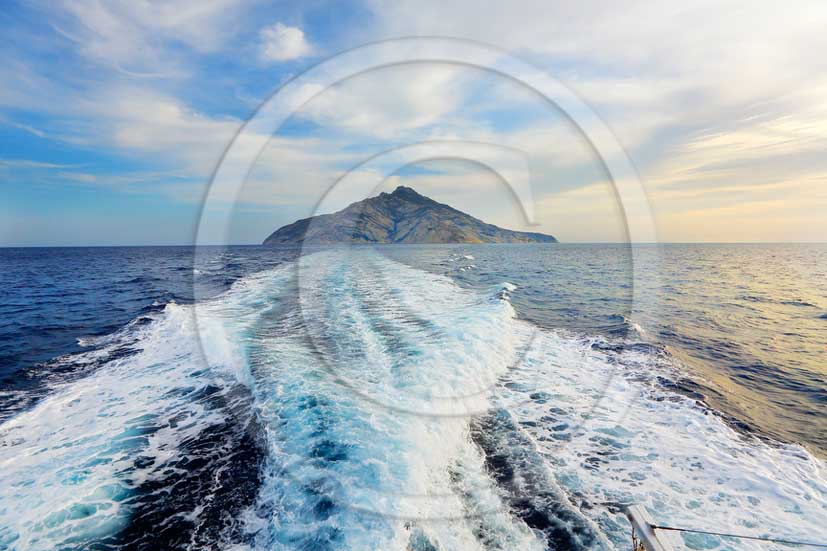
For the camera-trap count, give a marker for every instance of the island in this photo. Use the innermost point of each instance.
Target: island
(403, 216)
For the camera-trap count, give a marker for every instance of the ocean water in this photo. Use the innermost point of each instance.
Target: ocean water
(415, 398)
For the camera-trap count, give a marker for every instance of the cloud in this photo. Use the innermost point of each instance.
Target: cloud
(79, 177)
(25, 127)
(719, 105)
(199, 25)
(646, 69)
(295, 171)
(775, 146)
(725, 38)
(393, 102)
(141, 121)
(280, 42)
(26, 163)
(144, 38)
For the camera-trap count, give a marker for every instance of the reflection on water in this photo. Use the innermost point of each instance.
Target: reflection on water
(749, 322)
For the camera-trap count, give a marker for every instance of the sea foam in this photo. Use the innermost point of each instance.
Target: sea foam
(396, 410)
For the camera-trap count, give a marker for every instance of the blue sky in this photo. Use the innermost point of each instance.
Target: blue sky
(114, 115)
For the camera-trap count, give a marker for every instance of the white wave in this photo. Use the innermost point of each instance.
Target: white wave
(365, 374)
(612, 436)
(86, 342)
(457, 257)
(636, 326)
(68, 466)
(370, 447)
(420, 345)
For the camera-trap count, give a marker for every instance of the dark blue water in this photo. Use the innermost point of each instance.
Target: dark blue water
(53, 299)
(165, 398)
(749, 319)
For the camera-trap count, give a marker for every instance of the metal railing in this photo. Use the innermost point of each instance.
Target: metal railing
(645, 537)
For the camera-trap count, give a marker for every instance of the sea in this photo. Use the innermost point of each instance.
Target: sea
(418, 398)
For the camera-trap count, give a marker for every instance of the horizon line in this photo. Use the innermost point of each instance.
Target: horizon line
(192, 245)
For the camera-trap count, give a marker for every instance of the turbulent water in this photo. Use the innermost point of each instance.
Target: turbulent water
(422, 398)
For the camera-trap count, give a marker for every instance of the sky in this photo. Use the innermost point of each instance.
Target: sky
(114, 116)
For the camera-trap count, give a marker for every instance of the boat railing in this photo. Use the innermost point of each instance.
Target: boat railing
(645, 535)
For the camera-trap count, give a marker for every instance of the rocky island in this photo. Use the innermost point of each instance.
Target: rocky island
(403, 216)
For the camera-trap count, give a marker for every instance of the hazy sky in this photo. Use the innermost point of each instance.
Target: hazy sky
(114, 114)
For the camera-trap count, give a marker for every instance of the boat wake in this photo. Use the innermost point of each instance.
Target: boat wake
(347, 401)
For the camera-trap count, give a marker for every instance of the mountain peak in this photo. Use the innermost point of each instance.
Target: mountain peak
(405, 191)
(402, 216)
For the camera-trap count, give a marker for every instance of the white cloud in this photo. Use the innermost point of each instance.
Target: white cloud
(80, 177)
(716, 101)
(144, 38)
(393, 101)
(281, 42)
(26, 163)
(145, 123)
(295, 171)
(644, 67)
